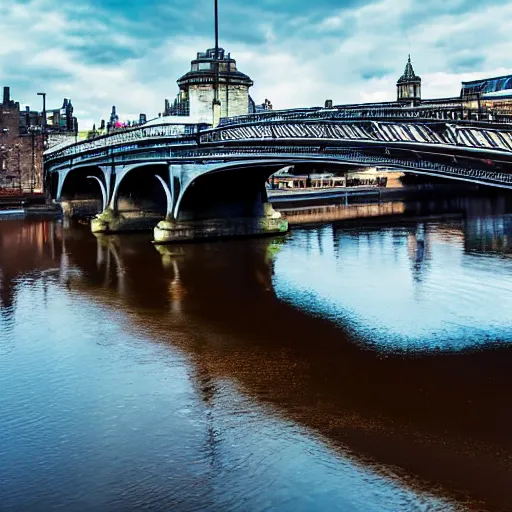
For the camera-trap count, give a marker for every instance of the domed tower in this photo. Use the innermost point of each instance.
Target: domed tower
(210, 80)
(409, 86)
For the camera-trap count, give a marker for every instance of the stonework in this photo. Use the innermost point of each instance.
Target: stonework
(168, 232)
(213, 76)
(21, 156)
(234, 102)
(22, 142)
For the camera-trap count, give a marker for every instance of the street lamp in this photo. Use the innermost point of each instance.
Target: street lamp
(43, 127)
(33, 130)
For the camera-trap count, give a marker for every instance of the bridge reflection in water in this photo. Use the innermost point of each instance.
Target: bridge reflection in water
(364, 428)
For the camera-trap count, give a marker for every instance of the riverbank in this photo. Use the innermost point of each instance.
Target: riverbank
(27, 205)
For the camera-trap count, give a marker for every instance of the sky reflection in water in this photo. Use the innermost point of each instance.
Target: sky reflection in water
(99, 416)
(410, 288)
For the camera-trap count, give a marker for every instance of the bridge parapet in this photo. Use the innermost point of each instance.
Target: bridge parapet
(372, 111)
(441, 133)
(174, 138)
(123, 138)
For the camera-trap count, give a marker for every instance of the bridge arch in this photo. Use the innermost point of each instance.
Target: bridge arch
(84, 187)
(142, 187)
(233, 189)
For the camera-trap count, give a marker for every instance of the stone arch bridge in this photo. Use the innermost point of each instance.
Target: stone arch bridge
(203, 182)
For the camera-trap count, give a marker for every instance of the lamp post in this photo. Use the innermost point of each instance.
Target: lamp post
(43, 126)
(33, 130)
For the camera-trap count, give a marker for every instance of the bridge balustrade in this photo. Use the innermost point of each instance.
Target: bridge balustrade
(118, 139)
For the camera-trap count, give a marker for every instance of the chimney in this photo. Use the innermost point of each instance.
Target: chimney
(7, 95)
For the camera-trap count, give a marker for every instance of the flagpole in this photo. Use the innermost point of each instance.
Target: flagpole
(216, 87)
(216, 7)
(216, 101)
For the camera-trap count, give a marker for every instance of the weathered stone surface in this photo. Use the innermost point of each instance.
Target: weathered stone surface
(168, 231)
(81, 207)
(235, 103)
(113, 222)
(21, 162)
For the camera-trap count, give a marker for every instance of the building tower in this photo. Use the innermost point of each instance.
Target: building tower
(409, 86)
(198, 88)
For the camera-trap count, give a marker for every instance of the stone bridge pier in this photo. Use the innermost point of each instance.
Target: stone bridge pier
(180, 202)
(219, 200)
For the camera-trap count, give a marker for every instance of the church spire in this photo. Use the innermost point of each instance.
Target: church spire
(409, 85)
(409, 74)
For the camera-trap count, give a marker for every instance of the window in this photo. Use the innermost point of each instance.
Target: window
(204, 66)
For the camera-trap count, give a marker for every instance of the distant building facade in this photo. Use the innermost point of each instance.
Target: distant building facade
(490, 95)
(115, 123)
(21, 147)
(486, 99)
(23, 137)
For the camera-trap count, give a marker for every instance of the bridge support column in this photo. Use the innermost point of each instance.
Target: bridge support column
(107, 172)
(62, 177)
(184, 223)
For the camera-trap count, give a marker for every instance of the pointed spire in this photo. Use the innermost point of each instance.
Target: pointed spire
(409, 74)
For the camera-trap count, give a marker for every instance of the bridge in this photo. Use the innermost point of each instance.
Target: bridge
(193, 181)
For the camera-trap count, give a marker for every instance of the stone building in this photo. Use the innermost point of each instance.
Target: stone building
(62, 119)
(23, 138)
(21, 149)
(213, 88)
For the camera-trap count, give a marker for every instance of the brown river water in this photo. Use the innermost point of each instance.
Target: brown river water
(353, 367)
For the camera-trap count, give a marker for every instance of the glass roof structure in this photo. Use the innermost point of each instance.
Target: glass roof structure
(487, 86)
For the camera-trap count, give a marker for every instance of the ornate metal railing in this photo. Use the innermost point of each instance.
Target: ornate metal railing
(454, 111)
(139, 134)
(309, 152)
(398, 112)
(168, 141)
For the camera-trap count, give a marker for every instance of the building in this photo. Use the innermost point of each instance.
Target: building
(266, 105)
(23, 137)
(62, 120)
(213, 88)
(490, 95)
(409, 86)
(21, 147)
(488, 99)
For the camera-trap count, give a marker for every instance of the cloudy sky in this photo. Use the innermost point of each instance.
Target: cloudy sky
(298, 52)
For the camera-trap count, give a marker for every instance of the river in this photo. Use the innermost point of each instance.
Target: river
(354, 367)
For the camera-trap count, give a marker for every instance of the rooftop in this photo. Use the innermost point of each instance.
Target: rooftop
(409, 75)
(487, 85)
